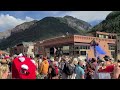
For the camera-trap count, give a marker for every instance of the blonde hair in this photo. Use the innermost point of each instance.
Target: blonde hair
(3, 69)
(75, 61)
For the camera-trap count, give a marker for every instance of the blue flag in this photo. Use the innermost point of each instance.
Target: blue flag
(99, 50)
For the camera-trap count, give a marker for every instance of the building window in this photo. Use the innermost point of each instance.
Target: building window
(85, 47)
(118, 51)
(104, 36)
(109, 37)
(76, 52)
(113, 54)
(88, 47)
(76, 47)
(97, 35)
(113, 37)
(111, 47)
(82, 52)
(80, 47)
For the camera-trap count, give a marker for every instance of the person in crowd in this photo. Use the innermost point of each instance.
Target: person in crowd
(53, 69)
(38, 61)
(66, 71)
(23, 68)
(109, 67)
(10, 66)
(51, 63)
(88, 71)
(61, 66)
(4, 70)
(73, 64)
(44, 67)
(94, 62)
(116, 72)
(94, 67)
(80, 74)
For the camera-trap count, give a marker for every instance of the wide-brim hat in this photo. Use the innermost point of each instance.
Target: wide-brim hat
(106, 58)
(52, 59)
(3, 61)
(100, 60)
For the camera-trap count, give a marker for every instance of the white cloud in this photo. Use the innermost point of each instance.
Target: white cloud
(9, 22)
(88, 15)
(28, 18)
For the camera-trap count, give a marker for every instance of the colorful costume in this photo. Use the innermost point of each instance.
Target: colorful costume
(23, 68)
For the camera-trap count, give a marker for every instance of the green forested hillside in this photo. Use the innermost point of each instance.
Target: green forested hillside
(111, 24)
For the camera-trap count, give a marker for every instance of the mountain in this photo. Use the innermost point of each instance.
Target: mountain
(18, 28)
(5, 34)
(111, 24)
(76, 23)
(93, 23)
(23, 26)
(47, 27)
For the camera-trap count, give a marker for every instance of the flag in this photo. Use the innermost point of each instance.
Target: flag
(55, 50)
(99, 50)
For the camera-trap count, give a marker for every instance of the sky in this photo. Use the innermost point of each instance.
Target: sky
(10, 19)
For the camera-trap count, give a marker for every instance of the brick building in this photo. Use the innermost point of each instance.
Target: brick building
(78, 45)
(24, 47)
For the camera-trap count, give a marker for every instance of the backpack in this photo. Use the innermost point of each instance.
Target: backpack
(68, 69)
(54, 71)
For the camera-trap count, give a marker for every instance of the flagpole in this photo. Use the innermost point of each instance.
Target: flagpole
(94, 44)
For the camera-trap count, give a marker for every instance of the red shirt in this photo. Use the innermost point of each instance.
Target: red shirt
(109, 68)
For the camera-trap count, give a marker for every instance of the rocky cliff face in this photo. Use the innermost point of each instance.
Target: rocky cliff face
(5, 34)
(23, 26)
(77, 23)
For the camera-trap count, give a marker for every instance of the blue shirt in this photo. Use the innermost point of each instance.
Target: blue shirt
(79, 72)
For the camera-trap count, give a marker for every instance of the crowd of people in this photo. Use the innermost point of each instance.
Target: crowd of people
(63, 67)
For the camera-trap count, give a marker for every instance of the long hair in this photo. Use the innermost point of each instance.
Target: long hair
(3, 68)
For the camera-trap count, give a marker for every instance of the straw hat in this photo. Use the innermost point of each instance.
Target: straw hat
(52, 59)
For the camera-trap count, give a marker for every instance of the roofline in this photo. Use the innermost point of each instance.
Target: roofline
(106, 33)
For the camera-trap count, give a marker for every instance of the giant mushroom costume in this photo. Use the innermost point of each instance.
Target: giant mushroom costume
(23, 68)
